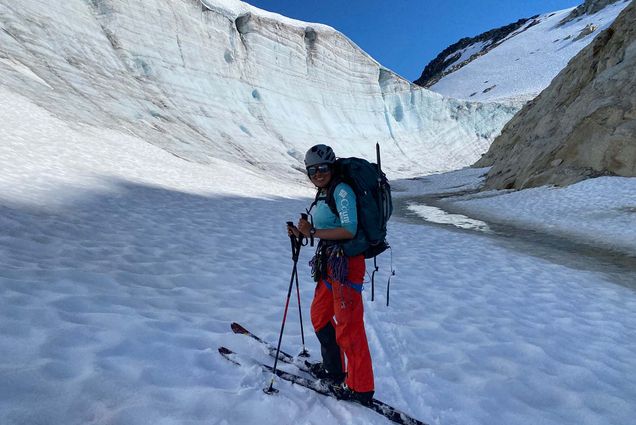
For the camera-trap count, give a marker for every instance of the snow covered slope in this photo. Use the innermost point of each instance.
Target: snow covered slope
(521, 65)
(122, 266)
(228, 81)
(583, 125)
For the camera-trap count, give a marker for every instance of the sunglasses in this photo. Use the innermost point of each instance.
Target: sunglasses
(322, 168)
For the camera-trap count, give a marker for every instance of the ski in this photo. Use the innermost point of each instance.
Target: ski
(303, 365)
(378, 406)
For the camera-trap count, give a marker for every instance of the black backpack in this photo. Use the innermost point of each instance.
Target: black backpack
(374, 208)
(373, 203)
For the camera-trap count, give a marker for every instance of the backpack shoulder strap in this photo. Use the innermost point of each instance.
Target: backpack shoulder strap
(313, 204)
(331, 200)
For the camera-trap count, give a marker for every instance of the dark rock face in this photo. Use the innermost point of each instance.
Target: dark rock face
(590, 7)
(244, 23)
(435, 69)
(583, 125)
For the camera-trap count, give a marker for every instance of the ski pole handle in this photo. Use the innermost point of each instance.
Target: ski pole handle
(290, 224)
(306, 218)
(295, 243)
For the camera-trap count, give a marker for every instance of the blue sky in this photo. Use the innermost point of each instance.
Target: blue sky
(404, 35)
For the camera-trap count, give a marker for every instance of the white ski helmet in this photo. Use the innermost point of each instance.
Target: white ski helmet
(319, 154)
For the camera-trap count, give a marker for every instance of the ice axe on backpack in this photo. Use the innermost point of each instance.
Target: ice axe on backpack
(386, 208)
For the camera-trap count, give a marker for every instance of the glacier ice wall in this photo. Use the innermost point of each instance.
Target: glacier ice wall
(222, 79)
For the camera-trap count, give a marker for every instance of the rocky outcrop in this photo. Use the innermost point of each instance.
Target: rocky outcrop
(587, 30)
(589, 7)
(583, 125)
(446, 61)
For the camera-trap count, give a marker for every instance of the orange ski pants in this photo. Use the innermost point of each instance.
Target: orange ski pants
(344, 303)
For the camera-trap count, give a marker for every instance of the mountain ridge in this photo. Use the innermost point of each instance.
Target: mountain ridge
(446, 61)
(517, 61)
(583, 125)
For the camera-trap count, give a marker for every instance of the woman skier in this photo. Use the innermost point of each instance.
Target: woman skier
(336, 310)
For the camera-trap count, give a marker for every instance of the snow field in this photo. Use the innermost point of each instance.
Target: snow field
(600, 211)
(114, 301)
(122, 267)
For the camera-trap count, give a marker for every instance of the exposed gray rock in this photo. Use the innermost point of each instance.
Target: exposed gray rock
(583, 125)
(589, 29)
(244, 23)
(589, 7)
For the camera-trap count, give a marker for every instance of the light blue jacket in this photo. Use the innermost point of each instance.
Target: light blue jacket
(345, 198)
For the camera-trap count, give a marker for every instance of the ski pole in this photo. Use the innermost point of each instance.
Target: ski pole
(295, 253)
(311, 237)
(304, 352)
